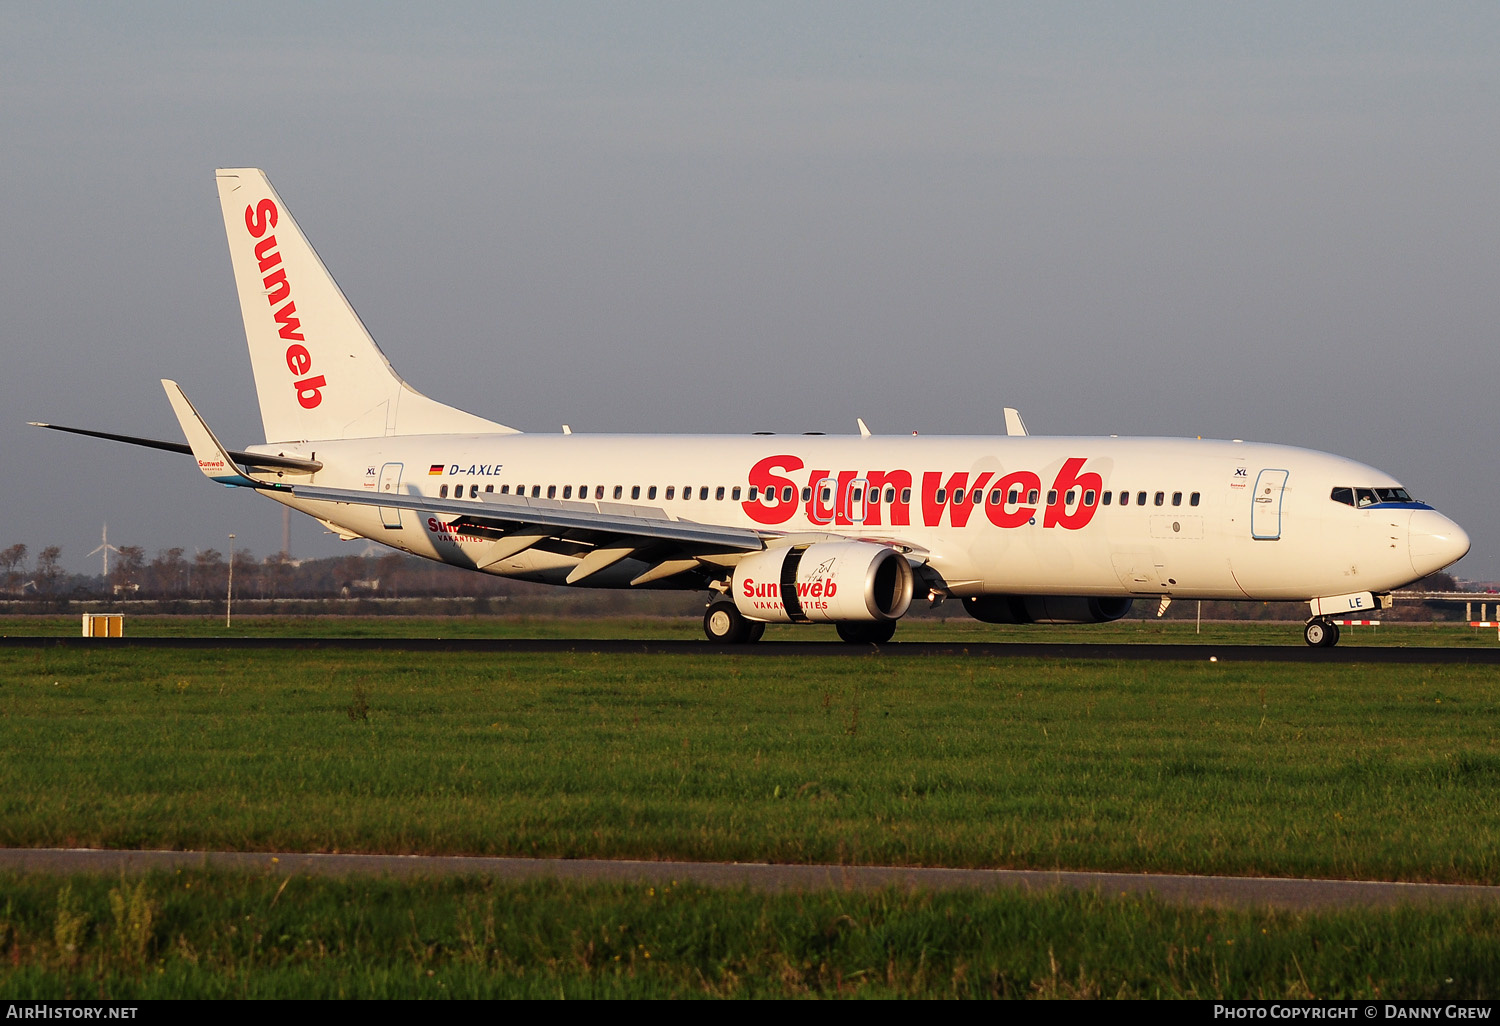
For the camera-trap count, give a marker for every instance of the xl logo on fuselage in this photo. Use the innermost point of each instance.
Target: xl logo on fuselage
(259, 219)
(829, 498)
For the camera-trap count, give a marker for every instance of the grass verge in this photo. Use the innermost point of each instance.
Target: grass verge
(240, 935)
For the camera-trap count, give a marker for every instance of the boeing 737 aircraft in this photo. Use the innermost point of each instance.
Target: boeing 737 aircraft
(847, 531)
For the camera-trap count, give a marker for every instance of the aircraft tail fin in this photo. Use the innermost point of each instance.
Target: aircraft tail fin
(318, 372)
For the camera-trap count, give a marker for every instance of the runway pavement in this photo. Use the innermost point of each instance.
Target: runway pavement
(808, 649)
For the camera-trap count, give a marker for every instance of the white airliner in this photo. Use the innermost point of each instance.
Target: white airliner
(848, 531)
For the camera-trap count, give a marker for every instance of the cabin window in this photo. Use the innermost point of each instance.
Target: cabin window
(651, 492)
(1193, 499)
(1015, 496)
(890, 495)
(567, 491)
(1106, 497)
(552, 491)
(442, 491)
(942, 496)
(687, 492)
(827, 494)
(1161, 498)
(671, 491)
(1088, 497)
(598, 491)
(996, 497)
(1124, 498)
(473, 491)
(1052, 497)
(1032, 496)
(635, 491)
(619, 492)
(1177, 498)
(703, 493)
(1071, 496)
(976, 496)
(505, 489)
(807, 495)
(958, 496)
(755, 492)
(787, 492)
(489, 488)
(735, 495)
(719, 493)
(906, 496)
(1140, 498)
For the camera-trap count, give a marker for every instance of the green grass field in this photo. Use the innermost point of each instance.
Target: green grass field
(1377, 772)
(246, 935)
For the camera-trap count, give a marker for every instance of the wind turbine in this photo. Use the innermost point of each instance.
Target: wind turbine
(106, 548)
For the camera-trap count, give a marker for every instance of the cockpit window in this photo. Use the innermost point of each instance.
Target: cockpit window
(1362, 497)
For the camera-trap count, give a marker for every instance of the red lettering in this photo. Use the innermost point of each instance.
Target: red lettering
(1022, 481)
(298, 359)
(762, 476)
(958, 512)
(841, 512)
(817, 513)
(900, 482)
(1069, 478)
(277, 287)
(308, 391)
(289, 324)
(261, 216)
(267, 253)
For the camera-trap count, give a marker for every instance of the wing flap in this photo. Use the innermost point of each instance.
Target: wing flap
(512, 514)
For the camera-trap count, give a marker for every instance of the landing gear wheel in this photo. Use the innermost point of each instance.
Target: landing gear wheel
(867, 633)
(757, 630)
(724, 624)
(1321, 633)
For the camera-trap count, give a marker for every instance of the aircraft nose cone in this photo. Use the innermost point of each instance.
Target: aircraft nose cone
(1435, 541)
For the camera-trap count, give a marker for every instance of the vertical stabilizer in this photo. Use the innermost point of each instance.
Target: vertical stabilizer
(318, 372)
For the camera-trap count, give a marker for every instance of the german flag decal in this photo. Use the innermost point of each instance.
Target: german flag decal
(436, 470)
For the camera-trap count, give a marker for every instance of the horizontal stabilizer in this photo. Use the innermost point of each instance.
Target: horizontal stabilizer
(251, 459)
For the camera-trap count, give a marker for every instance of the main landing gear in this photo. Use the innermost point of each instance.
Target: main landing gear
(724, 624)
(1321, 632)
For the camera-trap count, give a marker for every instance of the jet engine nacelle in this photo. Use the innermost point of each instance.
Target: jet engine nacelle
(1046, 608)
(825, 582)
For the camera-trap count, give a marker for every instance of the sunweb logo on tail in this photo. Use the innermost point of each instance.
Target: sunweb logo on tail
(259, 219)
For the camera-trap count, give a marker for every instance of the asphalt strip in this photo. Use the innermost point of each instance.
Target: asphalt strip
(1185, 890)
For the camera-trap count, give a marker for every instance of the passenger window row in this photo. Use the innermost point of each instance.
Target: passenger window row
(1153, 498)
(975, 496)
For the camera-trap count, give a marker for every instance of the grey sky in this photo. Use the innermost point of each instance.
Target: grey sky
(1273, 221)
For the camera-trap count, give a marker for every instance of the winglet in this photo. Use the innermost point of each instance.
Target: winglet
(213, 460)
(1014, 425)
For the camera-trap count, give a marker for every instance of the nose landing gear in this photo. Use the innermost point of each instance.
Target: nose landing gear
(1321, 632)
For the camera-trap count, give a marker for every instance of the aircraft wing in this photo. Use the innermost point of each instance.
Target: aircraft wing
(605, 532)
